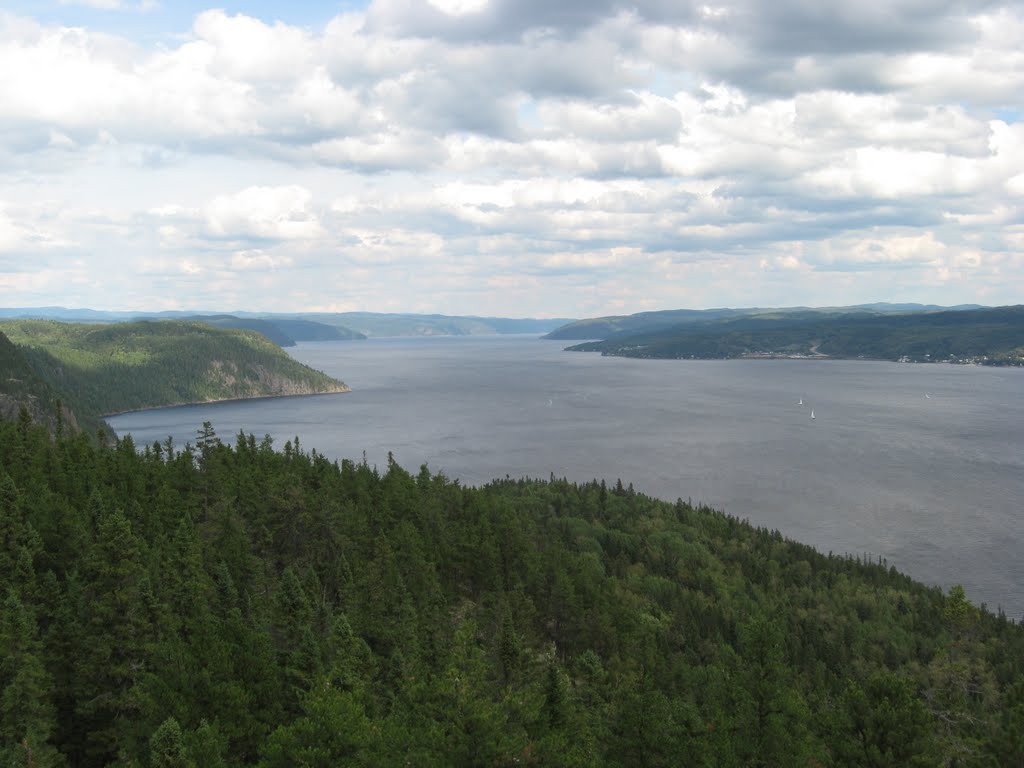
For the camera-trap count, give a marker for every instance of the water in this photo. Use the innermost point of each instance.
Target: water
(921, 464)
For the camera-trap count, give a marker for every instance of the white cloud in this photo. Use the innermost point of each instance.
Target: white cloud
(273, 213)
(246, 49)
(473, 143)
(259, 260)
(24, 230)
(459, 7)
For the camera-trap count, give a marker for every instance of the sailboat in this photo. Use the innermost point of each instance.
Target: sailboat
(801, 401)
(812, 413)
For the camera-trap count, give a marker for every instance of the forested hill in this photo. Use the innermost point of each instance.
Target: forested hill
(641, 322)
(102, 369)
(407, 324)
(219, 605)
(987, 336)
(282, 331)
(315, 326)
(22, 388)
(613, 326)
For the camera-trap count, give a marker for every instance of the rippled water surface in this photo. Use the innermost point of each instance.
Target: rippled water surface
(921, 464)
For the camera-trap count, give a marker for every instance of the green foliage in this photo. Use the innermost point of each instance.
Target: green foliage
(166, 746)
(987, 336)
(886, 725)
(22, 388)
(26, 689)
(103, 369)
(334, 730)
(229, 605)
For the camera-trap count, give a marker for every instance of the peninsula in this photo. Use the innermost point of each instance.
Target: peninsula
(989, 336)
(100, 369)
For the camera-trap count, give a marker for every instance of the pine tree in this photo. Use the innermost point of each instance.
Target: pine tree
(166, 747)
(886, 727)
(116, 621)
(332, 731)
(27, 715)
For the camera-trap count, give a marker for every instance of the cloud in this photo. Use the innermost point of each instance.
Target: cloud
(246, 49)
(696, 153)
(24, 230)
(271, 213)
(258, 260)
(501, 19)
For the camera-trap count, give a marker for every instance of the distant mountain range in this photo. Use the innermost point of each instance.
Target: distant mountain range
(286, 328)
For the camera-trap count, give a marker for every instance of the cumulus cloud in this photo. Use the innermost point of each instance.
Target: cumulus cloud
(272, 213)
(546, 150)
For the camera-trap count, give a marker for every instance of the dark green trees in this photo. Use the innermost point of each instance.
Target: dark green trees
(219, 605)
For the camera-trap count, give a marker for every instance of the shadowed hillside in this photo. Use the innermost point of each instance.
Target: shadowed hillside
(128, 366)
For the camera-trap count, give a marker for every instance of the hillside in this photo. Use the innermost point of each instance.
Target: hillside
(309, 326)
(241, 606)
(405, 324)
(987, 336)
(129, 366)
(620, 326)
(605, 327)
(309, 330)
(263, 327)
(22, 388)
(284, 332)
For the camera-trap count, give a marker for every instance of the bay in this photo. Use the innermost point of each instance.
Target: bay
(918, 464)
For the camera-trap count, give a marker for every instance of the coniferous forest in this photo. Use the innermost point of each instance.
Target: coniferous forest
(235, 603)
(102, 369)
(986, 336)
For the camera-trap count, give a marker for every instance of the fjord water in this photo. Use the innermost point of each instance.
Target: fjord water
(920, 464)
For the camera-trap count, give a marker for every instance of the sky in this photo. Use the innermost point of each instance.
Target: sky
(566, 158)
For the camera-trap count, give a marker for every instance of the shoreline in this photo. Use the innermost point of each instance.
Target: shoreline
(770, 356)
(189, 404)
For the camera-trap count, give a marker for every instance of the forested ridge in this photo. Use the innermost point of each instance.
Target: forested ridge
(317, 326)
(101, 369)
(239, 604)
(284, 332)
(990, 336)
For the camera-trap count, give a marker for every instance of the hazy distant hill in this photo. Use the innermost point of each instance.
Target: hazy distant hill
(127, 366)
(992, 336)
(402, 324)
(306, 326)
(282, 331)
(604, 327)
(309, 330)
(271, 330)
(647, 322)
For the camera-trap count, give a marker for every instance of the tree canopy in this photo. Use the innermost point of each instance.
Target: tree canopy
(230, 603)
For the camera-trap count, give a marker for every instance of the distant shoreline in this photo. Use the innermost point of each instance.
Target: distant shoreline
(224, 400)
(819, 357)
